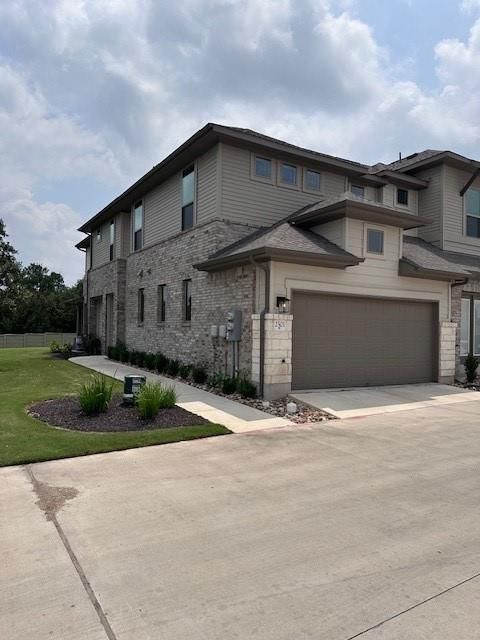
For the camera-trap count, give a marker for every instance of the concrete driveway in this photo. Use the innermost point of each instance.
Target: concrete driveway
(354, 528)
(366, 401)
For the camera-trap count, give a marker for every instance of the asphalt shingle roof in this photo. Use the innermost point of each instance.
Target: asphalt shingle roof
(413, 158)
(424, 255)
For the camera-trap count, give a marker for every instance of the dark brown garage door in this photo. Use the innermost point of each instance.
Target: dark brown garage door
(349, 341)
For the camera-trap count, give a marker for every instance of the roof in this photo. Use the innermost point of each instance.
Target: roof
(413, 159)
(347, 206)
(430, 157)
(422, 259)
(283, 242)
(84, 243)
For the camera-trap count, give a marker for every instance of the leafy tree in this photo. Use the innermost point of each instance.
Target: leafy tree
(9, 281)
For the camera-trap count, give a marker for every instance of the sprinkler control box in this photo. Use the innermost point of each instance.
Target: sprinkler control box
(131, 386)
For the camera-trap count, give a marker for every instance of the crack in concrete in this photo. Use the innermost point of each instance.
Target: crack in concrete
(50, 500)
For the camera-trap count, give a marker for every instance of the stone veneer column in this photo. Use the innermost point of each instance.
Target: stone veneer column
(446, 369)
(278, 354)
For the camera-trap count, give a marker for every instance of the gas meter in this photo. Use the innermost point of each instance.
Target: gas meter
(234, 325)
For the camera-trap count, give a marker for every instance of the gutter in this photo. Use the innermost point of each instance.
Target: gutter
(265, 267)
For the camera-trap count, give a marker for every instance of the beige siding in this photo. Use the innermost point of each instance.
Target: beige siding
(430, 205)
(389, 197)
(206, 204)
(162, 211)
(455, 238)
(123, 239)
(101, 249)
(247, 200)
(333, 231)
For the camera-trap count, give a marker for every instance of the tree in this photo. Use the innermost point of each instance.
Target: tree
(9, 282)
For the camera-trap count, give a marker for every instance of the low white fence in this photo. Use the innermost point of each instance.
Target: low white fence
(34, 339)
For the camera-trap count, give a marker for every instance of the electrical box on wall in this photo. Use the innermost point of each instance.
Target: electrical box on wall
(234, 325)
(222, 331)
(214, 331)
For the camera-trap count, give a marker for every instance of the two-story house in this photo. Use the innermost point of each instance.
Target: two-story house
(345, 274)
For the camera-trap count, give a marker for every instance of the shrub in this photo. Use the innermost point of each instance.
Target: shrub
(199, 374)
(93, 346)
(152, 397)
(246, 388)
(112, 353)
(134, 357)
(216, 380)
(54, 346)
(173, 367)
(229, 385)
(184, 371)
(471, 366)
(150, 361)
(95, 395)
(125, 356)
(141, 358)
(161, 362)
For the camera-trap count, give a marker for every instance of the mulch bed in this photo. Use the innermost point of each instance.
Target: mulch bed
(66, 412)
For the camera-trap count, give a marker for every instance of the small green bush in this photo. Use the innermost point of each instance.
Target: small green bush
(133, 357)
(141, 358)
(152, 397)
(150, 361)
(199, 374)
(95, 395)
(161, 362)
(55, 346)
(471, 366)
(173, 367)
(229, 385)
(246, 388)
(184, 371)
(111, 353)
(216, 380)
(125, 356)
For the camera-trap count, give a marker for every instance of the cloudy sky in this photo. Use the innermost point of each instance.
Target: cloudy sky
(95, 92)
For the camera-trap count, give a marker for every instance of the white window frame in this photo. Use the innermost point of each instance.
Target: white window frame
(373, 254)
(288, 185)
(195, 194)
(132, 235)
(308, 189)
(409, 198)
(98, 234)
(468, 300)
(253, 175)
(359, 186)
(465, 214)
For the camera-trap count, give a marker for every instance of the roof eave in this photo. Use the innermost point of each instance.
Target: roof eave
(410, 269)
(449, 157)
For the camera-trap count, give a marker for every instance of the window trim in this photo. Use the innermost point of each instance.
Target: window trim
(161, 303)
(473, 298)
(140, 307)
(193, 167)
(357, 186)
(401, 204)
(98, 235)
(467, 215)
(308, 189)
(253, 174)
(142, 238)
(288, 185)
(187, 300)
(112, 240)
(373, 254)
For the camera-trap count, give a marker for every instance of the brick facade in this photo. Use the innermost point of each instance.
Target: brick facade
(213, 294)
(472, 286)
(278, 354)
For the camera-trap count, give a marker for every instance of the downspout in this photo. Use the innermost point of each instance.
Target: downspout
(266, 269)
(86, 330)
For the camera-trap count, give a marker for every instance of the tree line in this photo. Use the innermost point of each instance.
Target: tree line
(32, 298)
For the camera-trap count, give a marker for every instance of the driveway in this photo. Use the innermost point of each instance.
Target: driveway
(366, 401)
(353, 528)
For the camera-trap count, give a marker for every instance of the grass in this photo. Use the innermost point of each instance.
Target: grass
(30, 375)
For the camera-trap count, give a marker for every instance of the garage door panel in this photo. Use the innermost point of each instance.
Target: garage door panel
(353, 341)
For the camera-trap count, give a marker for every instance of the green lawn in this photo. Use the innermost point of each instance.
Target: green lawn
(29, 375)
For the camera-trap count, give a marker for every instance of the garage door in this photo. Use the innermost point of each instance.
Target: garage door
(349, 341)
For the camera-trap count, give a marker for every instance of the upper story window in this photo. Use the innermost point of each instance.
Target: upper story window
(375, 241)
(263, 168)
(472, 211)
(312, 180)
(188, 197)
(161, 302)
(187, 300)
(357, 191)
(99, 235)
(138, 226)
(402, 197)
(112, 240)
(288, 174)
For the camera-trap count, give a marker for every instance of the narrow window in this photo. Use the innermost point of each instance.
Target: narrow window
(357, 191)
(141, 306)
(476, 327)
(99, 235)
(402, 197)
(263, 167)
(313, 180)
(374, 241)
(465, 327)
(138, 226)
(112, 239)
(161, 303)
(188, 197)
(472, 210)
(187, 300)
(288, 174)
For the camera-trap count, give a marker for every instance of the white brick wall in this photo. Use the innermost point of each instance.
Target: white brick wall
(278, 353)
(447, 336)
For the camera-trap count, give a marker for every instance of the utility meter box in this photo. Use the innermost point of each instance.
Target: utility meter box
(131, 386)
(234, 325)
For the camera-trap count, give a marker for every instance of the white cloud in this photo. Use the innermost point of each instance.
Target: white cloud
(103, 89)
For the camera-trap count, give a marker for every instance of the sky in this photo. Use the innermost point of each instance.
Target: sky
(93, 93)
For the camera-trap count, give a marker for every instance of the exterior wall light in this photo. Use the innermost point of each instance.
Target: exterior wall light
(283, 304)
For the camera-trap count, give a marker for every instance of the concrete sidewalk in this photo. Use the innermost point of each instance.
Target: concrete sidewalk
(236, 416)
